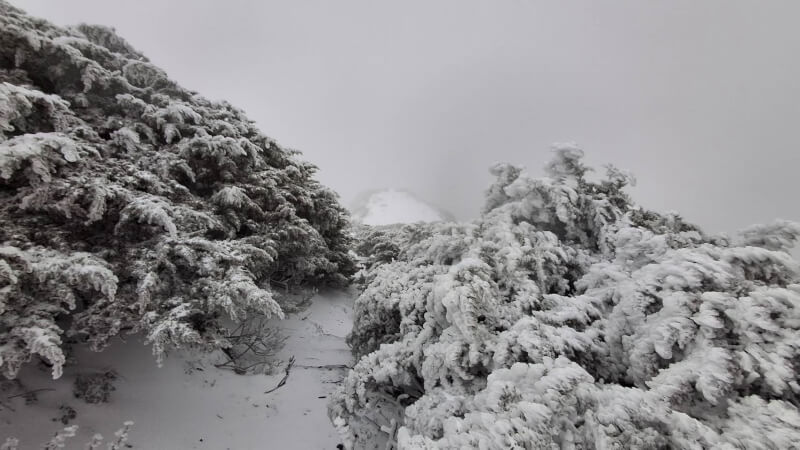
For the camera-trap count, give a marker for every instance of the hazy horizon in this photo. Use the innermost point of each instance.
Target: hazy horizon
(699, 100)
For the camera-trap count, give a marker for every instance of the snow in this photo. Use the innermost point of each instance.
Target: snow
(392, 206)
(190, 404)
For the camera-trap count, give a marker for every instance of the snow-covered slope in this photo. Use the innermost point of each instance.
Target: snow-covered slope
(388, 206)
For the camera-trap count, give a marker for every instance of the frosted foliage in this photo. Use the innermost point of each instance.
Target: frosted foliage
(568, 317)
(149, 211)
(21, 108)
(62, 439)
(130, 204)
(39, 154)
(39, 285)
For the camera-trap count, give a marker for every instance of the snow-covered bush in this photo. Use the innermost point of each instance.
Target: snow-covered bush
(66, 414)
(61, 438)
(128, 203)
(569, 317)
(94, 387)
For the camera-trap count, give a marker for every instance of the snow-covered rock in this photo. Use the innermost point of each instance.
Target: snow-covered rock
(390, 206)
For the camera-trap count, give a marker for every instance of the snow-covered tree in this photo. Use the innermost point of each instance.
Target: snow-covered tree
(128, 203)
(569, 317)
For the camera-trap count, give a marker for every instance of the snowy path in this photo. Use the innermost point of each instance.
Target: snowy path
(189, 404)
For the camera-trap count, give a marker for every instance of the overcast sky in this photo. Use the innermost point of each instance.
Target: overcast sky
(701, 100)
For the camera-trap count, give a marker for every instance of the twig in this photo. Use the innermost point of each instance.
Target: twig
(322, 331)
(285, 377)
(327, 366)
(253, 344)
(30, 392)
(392, 432)
(7, 406)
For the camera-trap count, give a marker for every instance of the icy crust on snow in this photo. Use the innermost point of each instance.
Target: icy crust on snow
(392, 206)
(569, 317)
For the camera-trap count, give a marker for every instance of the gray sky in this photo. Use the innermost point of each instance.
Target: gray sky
(701, 100)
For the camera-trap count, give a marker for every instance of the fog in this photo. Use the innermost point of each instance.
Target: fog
(701, 100)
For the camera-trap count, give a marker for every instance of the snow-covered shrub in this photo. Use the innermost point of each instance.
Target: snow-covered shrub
(60, 439)
(569, 317)
(94, 387)
(67, 414)
(128, 203)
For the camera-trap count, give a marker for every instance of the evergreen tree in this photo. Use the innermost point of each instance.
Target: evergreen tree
(128, 203)
(569, 317)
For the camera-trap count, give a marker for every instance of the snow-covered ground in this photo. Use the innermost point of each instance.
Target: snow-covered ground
(190, 404)
(391, 206)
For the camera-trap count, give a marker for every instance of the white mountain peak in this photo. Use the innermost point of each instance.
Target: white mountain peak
(389, 206)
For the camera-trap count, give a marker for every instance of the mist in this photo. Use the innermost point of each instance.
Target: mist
(699, 99)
